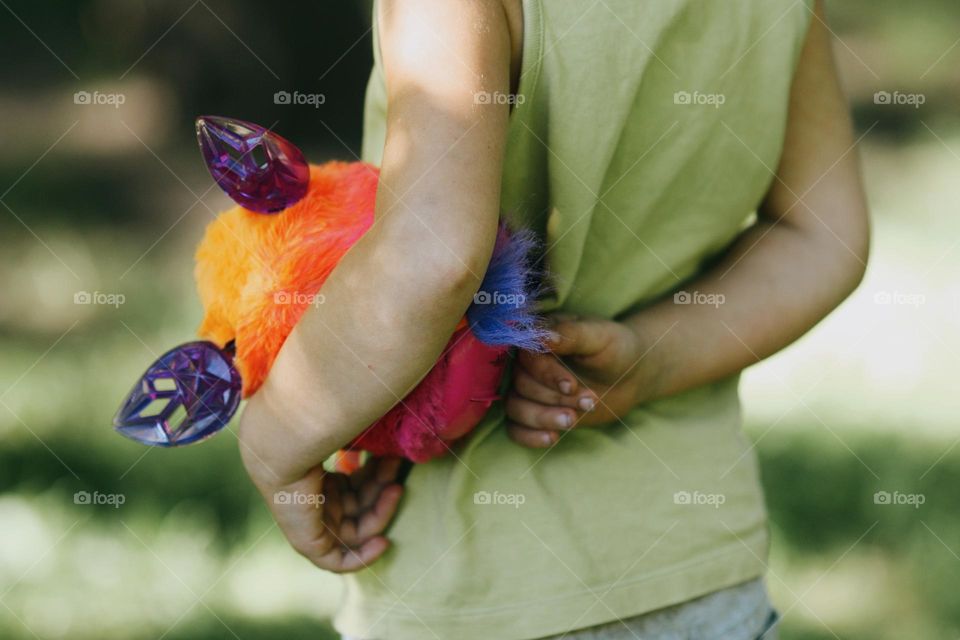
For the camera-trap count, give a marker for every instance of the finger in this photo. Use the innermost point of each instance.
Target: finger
(385, 474)
(303, 522)
(375, 518)
(355, 559)
(388, 470)
(342, 559)
(368, 493)
(355, 531)
(323, 545)
(548, 370)
(347, 533)
(333, 499)
(577, 337)
(349, 500)
(533, 438)
(375, 521)
(530, 388)
(536, 415)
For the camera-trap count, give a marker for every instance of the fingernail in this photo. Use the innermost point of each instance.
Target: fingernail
(553, 337)
(565, 420)
(565, 386)
(586, 403)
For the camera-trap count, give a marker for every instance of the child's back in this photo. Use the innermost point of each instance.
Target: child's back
(643, 136)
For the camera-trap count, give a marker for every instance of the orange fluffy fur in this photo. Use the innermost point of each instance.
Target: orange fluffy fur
(256, 273)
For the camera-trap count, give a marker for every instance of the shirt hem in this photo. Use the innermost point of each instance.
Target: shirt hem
(630, 596)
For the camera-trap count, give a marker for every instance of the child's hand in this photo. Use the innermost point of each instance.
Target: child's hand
(601, 373)
(334, 520)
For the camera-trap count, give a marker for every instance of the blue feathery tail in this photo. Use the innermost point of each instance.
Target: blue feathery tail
(502, 313)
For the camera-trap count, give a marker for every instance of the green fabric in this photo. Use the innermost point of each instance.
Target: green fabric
(633, 194)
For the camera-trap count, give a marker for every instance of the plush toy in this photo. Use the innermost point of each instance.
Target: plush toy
(262, 264)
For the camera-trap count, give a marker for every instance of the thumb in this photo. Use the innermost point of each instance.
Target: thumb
(577, 337)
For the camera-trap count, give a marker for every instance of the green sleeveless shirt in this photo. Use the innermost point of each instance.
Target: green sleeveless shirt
(644, 141)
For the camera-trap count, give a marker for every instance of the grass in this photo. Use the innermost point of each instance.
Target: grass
(132, 571)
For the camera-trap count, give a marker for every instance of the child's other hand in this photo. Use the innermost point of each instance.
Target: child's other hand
(336, 521)
(595, 372)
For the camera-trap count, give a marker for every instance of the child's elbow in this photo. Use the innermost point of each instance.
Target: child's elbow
(450, 269)
(453, 281)
(439, 278)
(856, 243)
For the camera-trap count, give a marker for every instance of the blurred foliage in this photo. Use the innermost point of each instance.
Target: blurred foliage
(102, 200)
(226, 58)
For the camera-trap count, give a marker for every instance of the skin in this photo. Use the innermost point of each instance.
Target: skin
(350, 360)
(806, 253)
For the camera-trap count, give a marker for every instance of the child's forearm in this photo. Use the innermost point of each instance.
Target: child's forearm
(773, 286)
(392, 303)
(775, 282)
(805, 255)
(381, 327)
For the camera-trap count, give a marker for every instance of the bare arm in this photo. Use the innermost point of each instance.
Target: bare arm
(397, 296)
(806, 253)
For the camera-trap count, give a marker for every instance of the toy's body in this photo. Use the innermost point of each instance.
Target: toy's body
(257, 274)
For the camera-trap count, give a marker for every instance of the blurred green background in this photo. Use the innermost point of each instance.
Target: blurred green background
(110, 199)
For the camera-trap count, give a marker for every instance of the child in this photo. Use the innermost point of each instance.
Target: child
(637, 138)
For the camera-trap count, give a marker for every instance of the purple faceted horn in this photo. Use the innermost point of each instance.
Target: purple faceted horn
(258, 169)
(187, 395)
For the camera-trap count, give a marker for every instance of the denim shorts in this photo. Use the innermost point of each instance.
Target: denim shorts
(742, 612)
